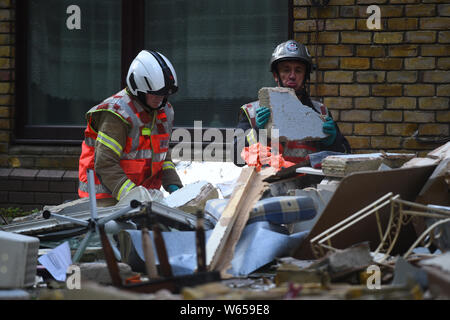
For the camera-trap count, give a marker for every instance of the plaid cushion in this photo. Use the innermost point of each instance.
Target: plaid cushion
(278, 210)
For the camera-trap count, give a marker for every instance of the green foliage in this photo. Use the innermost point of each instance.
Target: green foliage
(8, 214)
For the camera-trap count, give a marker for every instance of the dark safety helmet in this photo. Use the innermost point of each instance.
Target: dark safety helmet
(291, 50)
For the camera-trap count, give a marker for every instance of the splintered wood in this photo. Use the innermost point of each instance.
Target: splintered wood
(222, 242)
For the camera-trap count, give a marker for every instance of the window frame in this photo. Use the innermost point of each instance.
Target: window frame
(132, 42)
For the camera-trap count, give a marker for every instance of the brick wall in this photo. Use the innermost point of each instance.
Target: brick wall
(30, 176)
(31, 189)
(7, 50)
(388, 89)
(384, 88)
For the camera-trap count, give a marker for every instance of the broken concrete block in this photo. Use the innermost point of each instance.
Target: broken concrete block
(294, 120)
(18, 260)
(440, 153)
(420, 162)
(354, 258)
(346, 261)
(15, 294)
(343, 165)
(292, 273)
(192, 198)
(438, 271)
(405, 272)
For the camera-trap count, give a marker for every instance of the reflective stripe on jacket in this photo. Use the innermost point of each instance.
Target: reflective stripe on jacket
(293, 151)
(147, 143)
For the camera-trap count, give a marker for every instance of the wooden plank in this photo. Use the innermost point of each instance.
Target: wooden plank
(222, 242)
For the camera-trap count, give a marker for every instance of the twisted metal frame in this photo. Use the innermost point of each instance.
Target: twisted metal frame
(399, 217)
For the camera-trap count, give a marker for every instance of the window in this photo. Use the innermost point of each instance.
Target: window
(71, 65)
(220, 50)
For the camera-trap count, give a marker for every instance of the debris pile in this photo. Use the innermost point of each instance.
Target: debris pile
(374, 226)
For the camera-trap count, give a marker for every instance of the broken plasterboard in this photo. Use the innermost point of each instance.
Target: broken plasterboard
(192, 197)
(294, 120)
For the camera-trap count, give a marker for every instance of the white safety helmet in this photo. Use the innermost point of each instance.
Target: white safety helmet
(151, 72)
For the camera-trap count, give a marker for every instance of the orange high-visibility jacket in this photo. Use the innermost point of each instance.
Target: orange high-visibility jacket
(147, 143)
(293, 151)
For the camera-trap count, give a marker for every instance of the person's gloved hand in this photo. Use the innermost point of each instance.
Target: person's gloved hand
(329, 127)
(262, 117)
(172, 188)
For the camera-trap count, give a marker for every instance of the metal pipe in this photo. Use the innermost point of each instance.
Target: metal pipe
(92, 193)
(48, 215)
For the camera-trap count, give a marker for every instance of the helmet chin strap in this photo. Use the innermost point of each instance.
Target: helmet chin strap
(142, 99)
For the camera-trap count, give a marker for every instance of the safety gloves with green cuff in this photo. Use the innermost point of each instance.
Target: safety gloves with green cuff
(172, 188)
(262, 117)
(329, 127)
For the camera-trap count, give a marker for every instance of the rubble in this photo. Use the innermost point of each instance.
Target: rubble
(193, 197)
(343, 165)
(367, 233)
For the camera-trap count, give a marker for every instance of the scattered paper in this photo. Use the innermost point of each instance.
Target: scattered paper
(57, 261)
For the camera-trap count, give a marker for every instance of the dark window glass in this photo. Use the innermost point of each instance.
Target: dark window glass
(73, 58)
(220, 50)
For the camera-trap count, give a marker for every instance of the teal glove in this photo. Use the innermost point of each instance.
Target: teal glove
(329, 127)
(172, 188)
(262, 117)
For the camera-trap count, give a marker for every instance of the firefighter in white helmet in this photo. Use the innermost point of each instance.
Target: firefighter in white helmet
(291, 66)
(127, 135)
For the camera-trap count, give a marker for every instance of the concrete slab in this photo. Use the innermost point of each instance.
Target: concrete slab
(293, 120)
(192, 197)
